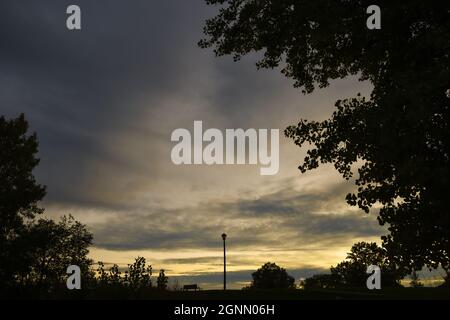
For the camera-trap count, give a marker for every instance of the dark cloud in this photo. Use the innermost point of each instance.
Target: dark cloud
(284, 216)
(80, 89)
(131, 75)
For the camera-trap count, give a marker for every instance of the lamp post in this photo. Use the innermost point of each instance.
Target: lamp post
(224, 236)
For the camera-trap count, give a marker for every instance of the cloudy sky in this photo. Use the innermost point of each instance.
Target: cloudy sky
(104, 102)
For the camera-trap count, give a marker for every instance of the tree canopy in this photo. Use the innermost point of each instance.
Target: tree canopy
(52, 247)
(33, 252)
(352, 271)
(19, 192)
(397, 140)
(271, 276)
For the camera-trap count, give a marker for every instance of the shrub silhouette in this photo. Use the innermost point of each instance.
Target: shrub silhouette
(162, 280)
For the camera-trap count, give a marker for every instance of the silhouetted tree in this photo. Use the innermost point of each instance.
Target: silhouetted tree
(162, 280)
(352, 271)
(139, 274)
(271, 276)
(321, 281)
(33, 253)
(115, 276)
(19, 195)
(399, 138)
(102, 274)
(52, 247)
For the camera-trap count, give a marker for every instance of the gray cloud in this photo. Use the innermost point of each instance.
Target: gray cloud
(82, 89)
(281, 217)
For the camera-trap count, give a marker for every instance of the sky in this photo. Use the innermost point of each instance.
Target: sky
(104, 101)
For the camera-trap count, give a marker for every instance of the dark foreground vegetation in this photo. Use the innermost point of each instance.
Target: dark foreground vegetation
(294, 294)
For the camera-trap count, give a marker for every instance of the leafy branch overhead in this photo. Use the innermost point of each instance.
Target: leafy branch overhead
(398, 139)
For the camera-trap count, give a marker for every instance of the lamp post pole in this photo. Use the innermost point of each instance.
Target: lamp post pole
(224, 236)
